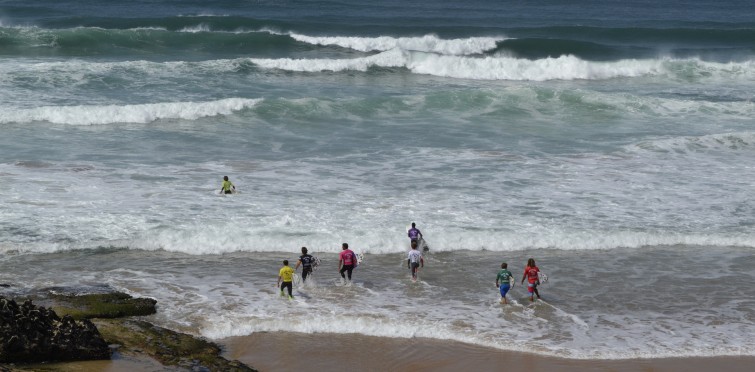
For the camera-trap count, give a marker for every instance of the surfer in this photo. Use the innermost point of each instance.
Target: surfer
(414, 233)
(346, 261)
(227, 187)
(306, 261)
(503, 280)
(415, 260)
(286, 279)
(530, 273)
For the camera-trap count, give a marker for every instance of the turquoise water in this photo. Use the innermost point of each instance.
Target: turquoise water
(560, 130)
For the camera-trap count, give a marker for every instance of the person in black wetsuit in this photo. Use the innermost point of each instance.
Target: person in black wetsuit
(306, 261)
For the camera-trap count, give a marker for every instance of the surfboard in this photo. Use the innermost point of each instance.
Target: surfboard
(512, 281)
(297, 280)
(541, 277)
(422, 244)
(315, 263)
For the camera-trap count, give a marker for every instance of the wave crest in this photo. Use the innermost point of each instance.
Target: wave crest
(427, 43)
(143, 113)
(486, 68)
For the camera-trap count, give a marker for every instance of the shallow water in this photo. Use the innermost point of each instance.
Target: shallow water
(630, 303)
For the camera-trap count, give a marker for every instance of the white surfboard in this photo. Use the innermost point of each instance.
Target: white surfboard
(315, 263)
(541, 277)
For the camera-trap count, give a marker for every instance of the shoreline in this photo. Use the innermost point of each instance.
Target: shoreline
(273, 351)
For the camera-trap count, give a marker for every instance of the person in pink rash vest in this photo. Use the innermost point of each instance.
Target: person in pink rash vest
(347, 261)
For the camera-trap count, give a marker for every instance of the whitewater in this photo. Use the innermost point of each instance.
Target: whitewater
(616, 150)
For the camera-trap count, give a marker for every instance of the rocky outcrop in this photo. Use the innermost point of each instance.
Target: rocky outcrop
(102, 305)
(29, 333)
(62, 332)
(170, 348)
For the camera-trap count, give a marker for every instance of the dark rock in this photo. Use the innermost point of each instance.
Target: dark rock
(34, 334)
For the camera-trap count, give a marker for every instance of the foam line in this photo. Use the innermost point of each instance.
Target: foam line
(143, 113)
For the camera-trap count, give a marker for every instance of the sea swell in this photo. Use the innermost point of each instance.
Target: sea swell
(240, 36)
(463, 105)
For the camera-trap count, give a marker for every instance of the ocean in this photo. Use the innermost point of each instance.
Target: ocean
(611, 141)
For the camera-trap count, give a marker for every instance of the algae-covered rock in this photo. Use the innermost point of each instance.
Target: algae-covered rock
(169, 347)
(29, 333)
(102, 305)
(63, 331)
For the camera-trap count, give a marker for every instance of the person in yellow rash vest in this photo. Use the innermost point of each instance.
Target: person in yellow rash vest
(227, 187)
(286, 279)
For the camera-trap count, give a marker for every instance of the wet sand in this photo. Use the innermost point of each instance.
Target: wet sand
(283, 351)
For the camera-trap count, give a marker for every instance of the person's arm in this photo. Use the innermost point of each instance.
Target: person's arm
(420, 233)
(279, 281)
(421, 262)
(497, 278)
(297, 265)
(340, 263)
(524, 276)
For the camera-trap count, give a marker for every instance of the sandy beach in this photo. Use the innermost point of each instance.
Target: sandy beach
(336, 352)
(286, 351)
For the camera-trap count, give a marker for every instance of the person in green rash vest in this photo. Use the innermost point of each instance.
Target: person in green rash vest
(502, 282)
(227, 187)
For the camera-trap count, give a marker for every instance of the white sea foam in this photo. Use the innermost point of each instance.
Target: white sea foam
(509, 68)
(108, 114)
(743, 141)
(149, 28)
(427, 43)
(236, 240)
(501, 67)
(565, 67)
(196, 29)
(214, 239)
(462, 67)
(392, 58)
